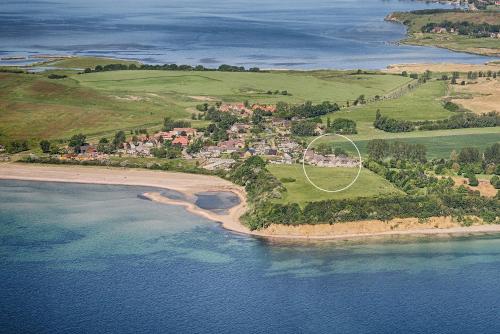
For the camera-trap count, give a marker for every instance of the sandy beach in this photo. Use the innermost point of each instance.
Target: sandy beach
(190, 184)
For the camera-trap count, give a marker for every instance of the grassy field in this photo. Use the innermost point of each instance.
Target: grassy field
(301, 191)
(228, 86)
(34, 107)
(442, 146)
(423, 103)
(484, 45)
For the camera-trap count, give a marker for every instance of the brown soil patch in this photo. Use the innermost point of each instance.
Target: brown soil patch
(485, 188)
(481, 96)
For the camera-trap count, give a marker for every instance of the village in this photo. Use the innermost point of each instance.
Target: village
(273, 141)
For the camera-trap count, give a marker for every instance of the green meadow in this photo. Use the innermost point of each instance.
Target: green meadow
(422, 103)
(238, 86)
(35, 107)
(301, 191)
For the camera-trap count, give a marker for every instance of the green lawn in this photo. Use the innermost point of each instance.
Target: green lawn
(228, 86)
(423, 103)
(301, 191)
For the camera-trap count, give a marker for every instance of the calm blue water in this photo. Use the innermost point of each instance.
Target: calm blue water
(268, 34)
(97, 259)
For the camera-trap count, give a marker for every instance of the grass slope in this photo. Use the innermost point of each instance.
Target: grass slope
(32, 106)
(314, 86)
(301, 191)
(423, 103)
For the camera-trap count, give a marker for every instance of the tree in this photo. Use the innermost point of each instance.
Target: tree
(195, 146)
(492, 154)
(469, 155)
(343, 126)
(473, 181)
(17, 146)
(45, 146)
(119, 139)
(304, 128)
(495, 181)
(378, 149)
(77, 140)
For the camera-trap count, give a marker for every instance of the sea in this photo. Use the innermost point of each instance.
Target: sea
(292, 34)
(80, 258)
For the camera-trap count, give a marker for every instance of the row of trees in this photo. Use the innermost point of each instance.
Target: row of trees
(380, 149)
(341, 125)
(392, 125)
(168, 67)
(462, 120)
(305, 110)
(459, 121)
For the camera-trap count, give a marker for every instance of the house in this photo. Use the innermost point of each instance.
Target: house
(181, 141)
(230, 146)
(184, 132)
(439, 30)
(264, 107)
(238, 108)
(239, 128)
(165, 135)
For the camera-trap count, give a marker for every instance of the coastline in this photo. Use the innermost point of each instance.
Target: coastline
(191, 184)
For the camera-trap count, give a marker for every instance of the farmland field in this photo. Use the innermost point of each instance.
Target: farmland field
(423, 103)
(236, 86)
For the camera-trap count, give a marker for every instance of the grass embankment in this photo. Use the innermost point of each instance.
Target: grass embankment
(416, 20)
(34, 107)
(301, 191)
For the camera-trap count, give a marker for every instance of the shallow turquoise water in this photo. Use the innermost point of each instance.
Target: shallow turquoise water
(98, 259)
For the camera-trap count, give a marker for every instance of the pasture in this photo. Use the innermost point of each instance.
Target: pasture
(301, 191)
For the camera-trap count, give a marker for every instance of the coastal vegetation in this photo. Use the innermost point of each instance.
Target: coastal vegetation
(458, 30)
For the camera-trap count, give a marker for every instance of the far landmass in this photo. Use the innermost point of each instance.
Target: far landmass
(475, 29)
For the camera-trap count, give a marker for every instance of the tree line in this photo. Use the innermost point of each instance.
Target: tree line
(459, 121)
(168, 67)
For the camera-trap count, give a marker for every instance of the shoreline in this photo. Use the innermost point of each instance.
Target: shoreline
(191, 184)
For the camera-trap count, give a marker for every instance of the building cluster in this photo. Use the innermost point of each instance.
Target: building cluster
(330, 160)
(273, 142)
